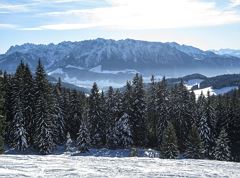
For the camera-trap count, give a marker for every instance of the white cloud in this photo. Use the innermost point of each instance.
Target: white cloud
(145, 14)
(235, 3)
(7, 26)
(7, 7)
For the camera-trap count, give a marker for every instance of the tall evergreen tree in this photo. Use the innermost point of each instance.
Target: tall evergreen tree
(204, 127)
(181, 113)
(110, 118)
(162, 109)
(83, 140)
(151, 113)
(74, 114)
(8, 105)
(28, 102)
(169, 147)
(138, 114)
(128, 99)
(96, 119)
(122, 132)
(2, 115)
(194, 145)
(43, 120)
(59, 113)
(222, 150)
(18, 131)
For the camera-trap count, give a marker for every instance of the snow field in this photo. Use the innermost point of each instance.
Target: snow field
(90, 166)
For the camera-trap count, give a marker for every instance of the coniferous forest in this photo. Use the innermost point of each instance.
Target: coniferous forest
(39, 115)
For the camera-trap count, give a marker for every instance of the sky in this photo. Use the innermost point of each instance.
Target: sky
(207, 24)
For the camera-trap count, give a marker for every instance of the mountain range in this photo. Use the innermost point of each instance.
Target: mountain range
(111, 62)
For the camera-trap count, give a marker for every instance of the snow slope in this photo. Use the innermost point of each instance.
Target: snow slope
(90, 166)
(212, 91)
(190, 83)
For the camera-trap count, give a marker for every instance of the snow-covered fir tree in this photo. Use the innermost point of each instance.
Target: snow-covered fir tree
(205, 131)
(138, 111)
(2, 115)
(123, 133)
(59, 114)
(162, 109)
(28, 101)
(95, 117)
(74, 114)
(151, 113)
(18, 131)
(169, 148)
(43, 121)
(69, 142)
(83, 139)
(180, 111)
(110, 118)
(222, 151)
(194, 148)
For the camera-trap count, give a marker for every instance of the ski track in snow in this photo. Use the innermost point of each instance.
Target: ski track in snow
(90, 166)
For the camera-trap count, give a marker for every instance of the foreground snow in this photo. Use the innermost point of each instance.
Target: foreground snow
(91, 166)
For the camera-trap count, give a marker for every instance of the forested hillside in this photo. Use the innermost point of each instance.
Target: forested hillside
(36, 114)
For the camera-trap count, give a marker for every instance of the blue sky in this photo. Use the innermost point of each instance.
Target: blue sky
(207, 24)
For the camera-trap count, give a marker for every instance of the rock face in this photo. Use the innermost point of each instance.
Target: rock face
(111, 60)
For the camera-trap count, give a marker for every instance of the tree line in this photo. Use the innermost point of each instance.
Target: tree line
(37, 114)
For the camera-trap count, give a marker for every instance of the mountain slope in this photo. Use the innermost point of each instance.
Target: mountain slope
(228, 52)
(111, 61)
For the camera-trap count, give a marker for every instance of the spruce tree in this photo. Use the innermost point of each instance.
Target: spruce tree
(110, 118)
(162, 109)
(43, 118)
(18, 131)
(169, 148)
(95, 117)
(194, 145)
(75, 114)
(138, 112)
(122, 132)
(151, 113)
(83, 139)
(204, 127)
(2, 115)
(59, 113)
(222, 151)
(8, 105)
(28, 102)
(181, 113)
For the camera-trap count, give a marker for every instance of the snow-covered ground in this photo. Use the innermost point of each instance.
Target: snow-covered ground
(91, 166)
(214, 91)
(190, 83)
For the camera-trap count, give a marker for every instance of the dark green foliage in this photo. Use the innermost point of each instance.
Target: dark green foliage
(181, 101)
(83, 139)
(2, 115)
(162, 108)
(138, 112)
(152, 114)
(222, 150)
(74, 114)
(44, 124)
(169, 148)
(95, 117)
(194, 145)
(59, 113)
(39, 115)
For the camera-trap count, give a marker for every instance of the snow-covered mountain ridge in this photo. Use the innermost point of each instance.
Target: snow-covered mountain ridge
(111, 61)
(228, 52)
